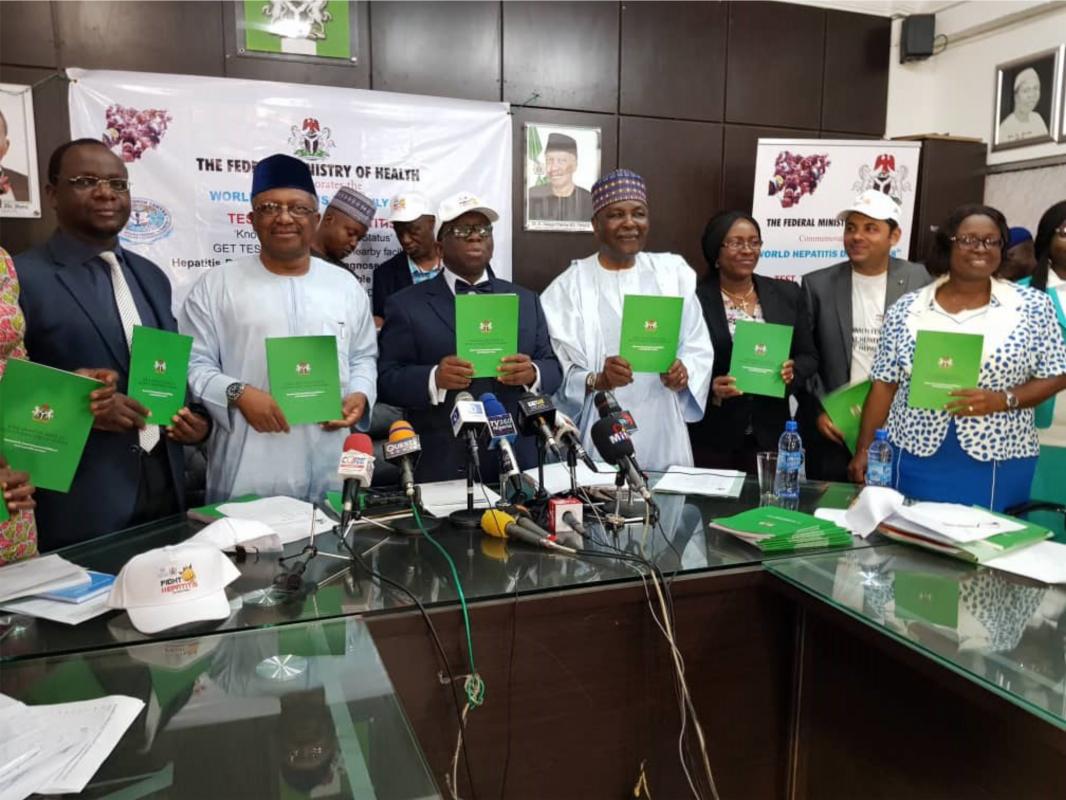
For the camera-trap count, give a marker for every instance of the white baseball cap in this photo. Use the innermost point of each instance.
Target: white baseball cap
(458, 204)
(409, 206)
(874, 204)
(229, 533)
(175, 585)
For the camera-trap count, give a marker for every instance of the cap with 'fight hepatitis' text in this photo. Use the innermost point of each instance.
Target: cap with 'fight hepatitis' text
(172, 586)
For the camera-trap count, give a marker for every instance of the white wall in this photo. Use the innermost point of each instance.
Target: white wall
(954, 91)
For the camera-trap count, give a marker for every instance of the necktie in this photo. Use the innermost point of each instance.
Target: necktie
(462, 287)
(127, 312)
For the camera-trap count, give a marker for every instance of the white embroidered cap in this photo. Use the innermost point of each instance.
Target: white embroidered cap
(175, 585)
(458, 204)
(874, 204)
(408, 206)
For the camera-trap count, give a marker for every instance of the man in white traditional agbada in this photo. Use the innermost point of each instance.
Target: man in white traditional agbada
(283, 291)
(583, 307)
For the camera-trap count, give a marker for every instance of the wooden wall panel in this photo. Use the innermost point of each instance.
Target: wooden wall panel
(26, 34)
(856, 72)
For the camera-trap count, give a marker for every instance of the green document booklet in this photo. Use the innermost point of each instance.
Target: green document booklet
(45, 421)
(759, 350)
(159, 371)
(844, 407)
(774, 529)
(304, 377)
(486, 330)
(651, 329)
(943, 363)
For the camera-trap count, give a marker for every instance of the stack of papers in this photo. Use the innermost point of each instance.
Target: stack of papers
(557, 476)
(698, 481)
(969, 533)
(56, 749)
(38, 575)
(443, 497)
(292, 519)
(781, 530)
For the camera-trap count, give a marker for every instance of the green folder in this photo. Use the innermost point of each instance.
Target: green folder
(45, 419)
(210, 513)
(159, 371)
(844, 407)
(486, 330)
(651, 329)
(759, 351)
(943, 363)
(779, 530)
(305, 377)
(926, 597)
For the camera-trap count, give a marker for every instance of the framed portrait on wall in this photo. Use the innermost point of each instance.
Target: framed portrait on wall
(1028, 100)
(20, 190)
(322, 31)
(562, 163)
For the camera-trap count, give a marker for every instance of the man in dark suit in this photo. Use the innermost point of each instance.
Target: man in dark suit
(81, 293)
(13, 185)
(417, 366)
(847, 303)
(419, 257)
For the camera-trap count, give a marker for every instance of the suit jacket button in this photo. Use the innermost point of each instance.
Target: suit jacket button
(135, 448)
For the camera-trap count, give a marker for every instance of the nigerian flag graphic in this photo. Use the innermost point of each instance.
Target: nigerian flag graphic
(298, 27)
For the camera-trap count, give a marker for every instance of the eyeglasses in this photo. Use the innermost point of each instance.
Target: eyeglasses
(271, 210)
(736, 245)
(86, 182)
(969, 242)
(466, 231)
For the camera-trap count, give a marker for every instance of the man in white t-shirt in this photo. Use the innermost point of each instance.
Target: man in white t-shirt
(847, 304)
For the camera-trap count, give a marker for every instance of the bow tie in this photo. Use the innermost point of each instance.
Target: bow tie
(462, 287)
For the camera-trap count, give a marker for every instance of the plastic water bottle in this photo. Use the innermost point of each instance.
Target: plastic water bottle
(789, 461)
(879, 460)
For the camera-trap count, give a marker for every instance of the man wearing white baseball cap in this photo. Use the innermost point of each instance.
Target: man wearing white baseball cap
(418, 369)
(847, 303)
(171, 586)
(413, 221)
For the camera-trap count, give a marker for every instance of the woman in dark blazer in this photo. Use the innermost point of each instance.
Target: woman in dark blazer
(737, 426)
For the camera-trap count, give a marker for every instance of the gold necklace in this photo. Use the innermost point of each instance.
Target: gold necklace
(738, 301)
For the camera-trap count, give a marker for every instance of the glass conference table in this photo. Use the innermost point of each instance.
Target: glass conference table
(488, 569)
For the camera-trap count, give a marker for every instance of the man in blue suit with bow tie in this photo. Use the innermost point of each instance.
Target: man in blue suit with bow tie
(82, 293)
(417, 366)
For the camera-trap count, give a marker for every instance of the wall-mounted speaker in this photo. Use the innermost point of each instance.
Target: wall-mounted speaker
(916, 37)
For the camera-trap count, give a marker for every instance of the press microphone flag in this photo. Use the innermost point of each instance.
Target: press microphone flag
(403, 449)
(468, 419)
(536, 415)
(614, 445)
(501, 432)
(356, 469)
(568, 433)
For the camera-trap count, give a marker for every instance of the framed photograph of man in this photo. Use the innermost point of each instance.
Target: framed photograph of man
(20, 192)
(1028, 98)
(562, 163)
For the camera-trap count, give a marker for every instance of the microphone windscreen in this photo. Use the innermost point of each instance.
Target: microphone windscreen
(494, 522)
(493, 407)
(464, 397)
(611, 440)
(400, 430)
(360, 442)
(486, 396)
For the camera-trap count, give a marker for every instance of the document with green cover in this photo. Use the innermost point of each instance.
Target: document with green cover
(45, 421)
(759, 350)
(159, 371)
(844, 407)
(943, 363)
(651, 329)
(486, 330)
(305, 378)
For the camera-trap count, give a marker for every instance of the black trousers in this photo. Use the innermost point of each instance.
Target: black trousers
(156, 497)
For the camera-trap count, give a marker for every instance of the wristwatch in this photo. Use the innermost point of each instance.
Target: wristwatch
(234, 392)
(1012, 400)
(590, 382)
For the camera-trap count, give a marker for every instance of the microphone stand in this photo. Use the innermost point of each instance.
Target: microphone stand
(542, 456)
(571, 463)
(410, 526)
(468, 517)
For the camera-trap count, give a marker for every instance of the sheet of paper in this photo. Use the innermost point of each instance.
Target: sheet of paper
(875, 504)
(1044, 562)
(56, 611)
(698, 481)
(443, 497)
(838, 516)
(958, 523)
(290, 518)
(557, 476)
(43, 574)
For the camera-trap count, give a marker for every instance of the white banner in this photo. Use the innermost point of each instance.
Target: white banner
(190, 144)
(802, 184)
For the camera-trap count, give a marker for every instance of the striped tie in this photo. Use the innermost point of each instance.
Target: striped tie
(127, 312)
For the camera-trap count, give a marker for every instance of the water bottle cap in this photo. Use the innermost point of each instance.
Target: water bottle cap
(791, 426)
(881, 435)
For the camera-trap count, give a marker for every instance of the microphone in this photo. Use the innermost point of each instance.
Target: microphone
(613, 443)
(608, 407)
(502, 525)
(403, 449)
(468, 419)
(567, 432)
(356, 468)
(536, 415)
(501, 433)
(573, 522)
